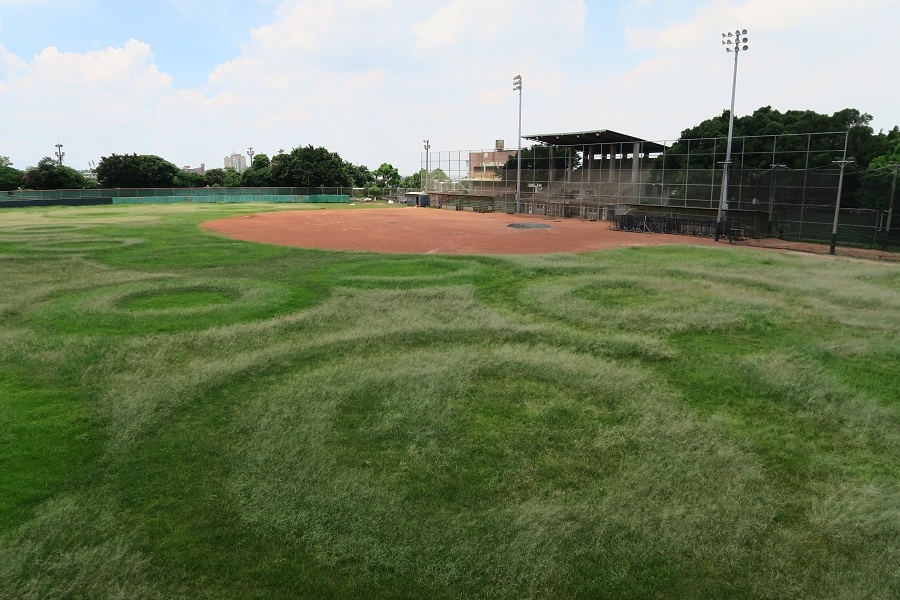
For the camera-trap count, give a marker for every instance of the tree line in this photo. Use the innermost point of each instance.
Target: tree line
(308, 166)
(872, 153)
(304, 166)
(700, 147)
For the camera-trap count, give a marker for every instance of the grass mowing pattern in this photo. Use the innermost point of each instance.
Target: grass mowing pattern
(184, 415)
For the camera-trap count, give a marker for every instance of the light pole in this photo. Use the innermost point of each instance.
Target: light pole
(59, 153)
(837, 204)
(517, 87)
(425, 175)
(887, 228)
(250, 153)
(772, 195)
(736, 46)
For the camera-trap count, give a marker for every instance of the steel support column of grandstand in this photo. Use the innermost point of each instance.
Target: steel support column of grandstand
(612, 162)
(739, 44)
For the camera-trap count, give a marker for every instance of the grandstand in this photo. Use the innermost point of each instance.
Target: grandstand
(782, 185)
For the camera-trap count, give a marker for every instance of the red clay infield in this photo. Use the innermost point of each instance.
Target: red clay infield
(432, 231)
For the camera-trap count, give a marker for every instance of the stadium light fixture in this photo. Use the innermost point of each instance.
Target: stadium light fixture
(59, 153)
(517, 87)
(735, 42)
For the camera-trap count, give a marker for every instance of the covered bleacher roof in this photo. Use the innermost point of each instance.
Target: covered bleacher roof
(600, 136)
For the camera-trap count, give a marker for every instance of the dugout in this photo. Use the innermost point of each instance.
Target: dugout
(416, 199)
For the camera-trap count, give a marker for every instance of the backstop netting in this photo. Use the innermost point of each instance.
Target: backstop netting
(779, 185)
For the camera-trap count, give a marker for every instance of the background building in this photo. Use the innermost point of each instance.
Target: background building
(483, 165)
(201, 170)
(236, 162)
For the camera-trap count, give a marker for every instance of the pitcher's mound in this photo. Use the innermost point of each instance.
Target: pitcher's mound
(529, 226)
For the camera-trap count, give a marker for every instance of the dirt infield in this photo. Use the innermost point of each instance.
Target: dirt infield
(433, 231)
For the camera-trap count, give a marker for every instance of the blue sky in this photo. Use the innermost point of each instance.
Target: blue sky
(370, 79)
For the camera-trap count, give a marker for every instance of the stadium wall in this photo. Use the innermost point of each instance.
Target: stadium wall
(99, 197)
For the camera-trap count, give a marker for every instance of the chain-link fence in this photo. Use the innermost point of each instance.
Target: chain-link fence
(22, 198)
(778, 184)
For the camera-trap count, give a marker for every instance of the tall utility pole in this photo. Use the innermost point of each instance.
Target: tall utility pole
(739, 44)
(59, 153)
(772, 195)
(517, 87)
(250, 153)
(425, 175)
(887, 227)
(837, 205)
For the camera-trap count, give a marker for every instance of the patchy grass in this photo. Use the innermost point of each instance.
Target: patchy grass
(187, 416)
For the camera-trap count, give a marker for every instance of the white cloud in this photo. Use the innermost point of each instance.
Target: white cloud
(359, 77)
(501, 23)
(366, 78)
(804, 54)
(371, 78)
(113, 92)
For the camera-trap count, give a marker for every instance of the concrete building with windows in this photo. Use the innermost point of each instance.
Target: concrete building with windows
(483, 165)
(236, 161)
(201, 170)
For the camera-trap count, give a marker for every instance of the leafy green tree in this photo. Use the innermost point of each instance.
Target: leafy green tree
(188, 179)
(215, 177)
(359, 175)
(388, 175)
(232, 178)
(226, 177)
(309, 167)
(414, 181)
(260, 161)
(438, 175)
(258, 175)
(701, 148)
(135, 171)
(753, 139)
(876, 181)
(48, 175)
(537, 158)
(10, 178)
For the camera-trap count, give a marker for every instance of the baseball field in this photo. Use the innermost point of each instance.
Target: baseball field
(222, 401)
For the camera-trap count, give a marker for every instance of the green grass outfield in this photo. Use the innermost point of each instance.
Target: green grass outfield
(188, 416)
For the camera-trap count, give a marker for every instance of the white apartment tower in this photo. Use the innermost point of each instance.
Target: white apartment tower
(236, 162)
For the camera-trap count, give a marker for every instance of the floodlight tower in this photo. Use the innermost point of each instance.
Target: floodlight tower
(59, 153)
(738, 44)
(250, 153)
(425, 177)
(517, 87)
